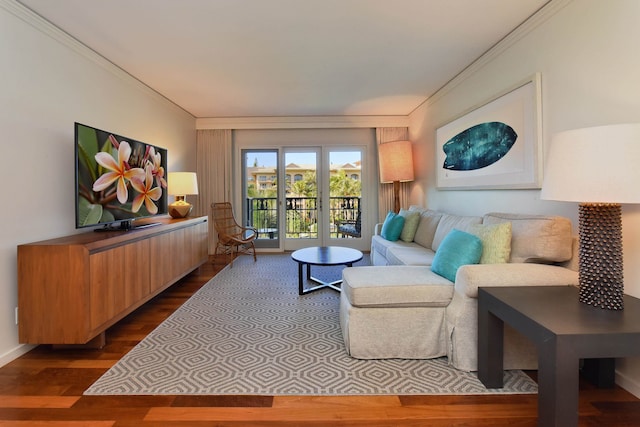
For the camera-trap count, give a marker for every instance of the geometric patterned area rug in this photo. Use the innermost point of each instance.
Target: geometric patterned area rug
(248, 332)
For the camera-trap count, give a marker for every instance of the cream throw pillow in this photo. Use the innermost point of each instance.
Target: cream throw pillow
(411, 221)
(496, 242)
(427, 226)
(536, 238)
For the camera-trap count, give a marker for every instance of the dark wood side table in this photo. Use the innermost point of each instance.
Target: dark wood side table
(564, 331)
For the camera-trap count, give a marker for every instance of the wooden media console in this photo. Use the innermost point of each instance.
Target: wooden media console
(71, 289)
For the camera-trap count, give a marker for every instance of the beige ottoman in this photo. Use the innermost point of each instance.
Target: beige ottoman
(394, 312)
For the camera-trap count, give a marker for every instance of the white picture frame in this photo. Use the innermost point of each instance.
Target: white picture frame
(521, 167)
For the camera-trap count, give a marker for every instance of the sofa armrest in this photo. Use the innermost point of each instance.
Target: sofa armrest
(470, 277)
(377, 229)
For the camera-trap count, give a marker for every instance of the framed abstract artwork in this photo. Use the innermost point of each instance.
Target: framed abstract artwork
(496, 145)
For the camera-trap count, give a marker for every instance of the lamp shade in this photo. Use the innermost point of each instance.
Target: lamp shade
(182, 183)
(396, 161)
(594, 165)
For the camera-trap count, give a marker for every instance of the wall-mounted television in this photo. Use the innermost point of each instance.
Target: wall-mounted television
(118, 179)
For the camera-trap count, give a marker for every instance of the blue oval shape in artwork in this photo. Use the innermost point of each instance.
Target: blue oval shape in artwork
(479, 146)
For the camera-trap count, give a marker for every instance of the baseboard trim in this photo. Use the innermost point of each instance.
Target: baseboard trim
(14, 353)
(628, 383)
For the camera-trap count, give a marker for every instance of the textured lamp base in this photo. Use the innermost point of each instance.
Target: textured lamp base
(179, 209)
(600, 255)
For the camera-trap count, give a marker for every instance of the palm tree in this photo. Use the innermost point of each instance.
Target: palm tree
(306, 187)
(340, 185)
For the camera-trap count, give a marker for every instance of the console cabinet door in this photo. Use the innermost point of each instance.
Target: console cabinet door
(119, 279)
(197, 238)
(190, 248)
(180, 257)
(180, 251)
(52, 294)
(161, 256)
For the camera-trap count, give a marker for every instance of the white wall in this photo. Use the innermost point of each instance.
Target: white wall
(587, 53)
(47, 82)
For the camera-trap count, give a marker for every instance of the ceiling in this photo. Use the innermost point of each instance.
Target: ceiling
(257, 58)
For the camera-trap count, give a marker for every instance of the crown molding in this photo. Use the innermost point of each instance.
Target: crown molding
(539, 17)
(39, 23)
(302, 122)
(30, 17)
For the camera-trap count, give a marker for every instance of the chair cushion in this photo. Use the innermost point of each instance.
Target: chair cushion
(458, 248)
(348, 228)
(395, 286)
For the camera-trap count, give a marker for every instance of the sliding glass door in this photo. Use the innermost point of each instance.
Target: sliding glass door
(345, 197)
(303, 198)
(260, 195)
(298, 197)
(323, 197)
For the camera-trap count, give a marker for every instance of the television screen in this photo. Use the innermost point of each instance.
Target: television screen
(118, 179)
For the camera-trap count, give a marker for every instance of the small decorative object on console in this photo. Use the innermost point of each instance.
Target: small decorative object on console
(180, 185)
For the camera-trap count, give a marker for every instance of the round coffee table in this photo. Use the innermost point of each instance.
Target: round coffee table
(323, 256)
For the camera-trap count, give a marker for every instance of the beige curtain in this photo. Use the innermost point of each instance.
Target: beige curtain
(213, 151)
(385, 191)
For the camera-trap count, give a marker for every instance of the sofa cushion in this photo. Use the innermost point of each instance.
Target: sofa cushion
(458, 248)
(392, 226)
(496, 242)
(382, 246)
(427, 227)
(536, 238)
(449, 222)
(417, 208)
(411, 221)
(410, 255)
(395, 286)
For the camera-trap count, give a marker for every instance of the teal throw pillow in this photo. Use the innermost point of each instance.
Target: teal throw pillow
(457, 248)
(392, 227)
(411, 221)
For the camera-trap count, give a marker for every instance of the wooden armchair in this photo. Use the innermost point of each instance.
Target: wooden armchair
(232, 237)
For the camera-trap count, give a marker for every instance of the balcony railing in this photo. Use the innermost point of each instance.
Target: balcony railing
(301, 216)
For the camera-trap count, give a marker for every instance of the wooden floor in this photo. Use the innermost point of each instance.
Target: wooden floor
(45, 386)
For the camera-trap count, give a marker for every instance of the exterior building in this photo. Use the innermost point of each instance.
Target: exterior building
(265, 177)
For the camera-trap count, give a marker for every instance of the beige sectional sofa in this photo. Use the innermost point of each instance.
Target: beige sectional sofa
(399, 308)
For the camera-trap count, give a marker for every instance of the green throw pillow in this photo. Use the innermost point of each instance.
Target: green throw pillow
(496, 242)
(411, 221)
(457, 248)
(392, 227)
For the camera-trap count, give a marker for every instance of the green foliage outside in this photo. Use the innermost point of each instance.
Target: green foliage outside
(340, 185)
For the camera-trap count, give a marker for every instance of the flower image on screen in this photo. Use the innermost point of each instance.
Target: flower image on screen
(117, 178)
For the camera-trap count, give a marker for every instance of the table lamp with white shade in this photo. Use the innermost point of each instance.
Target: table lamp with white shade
(599, 167)
(181, 184)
